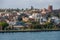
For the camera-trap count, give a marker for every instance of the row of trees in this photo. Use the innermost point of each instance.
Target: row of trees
(37, 25)
(34, 25)
(16, 9)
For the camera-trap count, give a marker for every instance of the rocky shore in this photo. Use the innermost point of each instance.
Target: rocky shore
(8, 31)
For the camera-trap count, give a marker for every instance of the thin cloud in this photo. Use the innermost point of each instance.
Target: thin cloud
(28, 3)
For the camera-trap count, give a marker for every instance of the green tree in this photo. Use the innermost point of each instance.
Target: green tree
(49, 25)
(17, 9)
(36, 25)
(3, 24)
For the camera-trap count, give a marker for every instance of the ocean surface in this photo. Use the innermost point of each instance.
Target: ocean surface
(30, 36)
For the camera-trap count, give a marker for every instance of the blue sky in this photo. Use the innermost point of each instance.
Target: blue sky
(27, 3)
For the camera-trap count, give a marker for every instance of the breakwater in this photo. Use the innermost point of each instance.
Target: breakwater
(4, 31)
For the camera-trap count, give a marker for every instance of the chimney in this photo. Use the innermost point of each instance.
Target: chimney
(50, 8)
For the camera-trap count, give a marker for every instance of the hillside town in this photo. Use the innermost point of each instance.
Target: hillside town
(33, 18)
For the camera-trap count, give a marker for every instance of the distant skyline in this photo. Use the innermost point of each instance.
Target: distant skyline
(28, 3)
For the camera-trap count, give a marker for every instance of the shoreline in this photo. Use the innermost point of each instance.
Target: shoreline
(10, 31)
